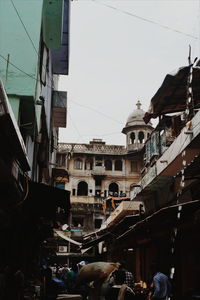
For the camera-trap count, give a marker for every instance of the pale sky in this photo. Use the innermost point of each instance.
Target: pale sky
(120, 52)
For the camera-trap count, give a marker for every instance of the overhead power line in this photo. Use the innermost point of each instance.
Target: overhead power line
(36, 79)
(145, 19)
(97, 111)
(16, 67)
(81, 105)
(24, 26)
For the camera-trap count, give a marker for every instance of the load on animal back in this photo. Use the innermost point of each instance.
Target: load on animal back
(97, 272)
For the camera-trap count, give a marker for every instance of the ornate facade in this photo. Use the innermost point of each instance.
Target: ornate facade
(98, 172)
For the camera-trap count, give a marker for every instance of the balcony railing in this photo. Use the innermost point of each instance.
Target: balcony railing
(86, 199)
(135, 146)
(91, 148)
(98, 171)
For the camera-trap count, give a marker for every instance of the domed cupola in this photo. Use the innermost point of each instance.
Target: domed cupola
(136, 130)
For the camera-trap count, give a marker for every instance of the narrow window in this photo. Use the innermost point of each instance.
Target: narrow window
(89, 164)
(141, 137)
(78, 164)
(108, 165)
(98, 182)
(132, 137)
(118, 165)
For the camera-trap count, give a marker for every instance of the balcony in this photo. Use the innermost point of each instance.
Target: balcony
(86, 200)
(98, 171)
(134, 147)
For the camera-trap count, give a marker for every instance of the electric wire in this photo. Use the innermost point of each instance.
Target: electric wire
(29, 37)
(31, 76)
(16, 67)
(76, 129)
(24, 26)
(95, 110)
(81, 105)
(145, 19)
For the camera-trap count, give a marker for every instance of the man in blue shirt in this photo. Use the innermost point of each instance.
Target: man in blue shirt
(161, 284)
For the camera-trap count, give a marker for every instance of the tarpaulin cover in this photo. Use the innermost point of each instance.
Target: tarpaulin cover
(172, 94)
(63, 236)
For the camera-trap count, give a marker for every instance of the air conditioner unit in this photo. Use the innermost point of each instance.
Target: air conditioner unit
(62, 249)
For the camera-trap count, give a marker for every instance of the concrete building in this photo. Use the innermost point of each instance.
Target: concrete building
(34, 43)
(34, 51)
(168, 230)
(101, 176)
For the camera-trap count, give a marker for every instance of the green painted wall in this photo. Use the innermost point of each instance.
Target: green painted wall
(16, 45)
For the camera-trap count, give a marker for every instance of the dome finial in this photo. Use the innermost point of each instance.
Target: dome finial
(138, 104)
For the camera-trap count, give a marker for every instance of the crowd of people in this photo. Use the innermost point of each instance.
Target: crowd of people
(120, 286)
(60, 279)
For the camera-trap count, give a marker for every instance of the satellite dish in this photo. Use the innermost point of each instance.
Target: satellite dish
(65, 226)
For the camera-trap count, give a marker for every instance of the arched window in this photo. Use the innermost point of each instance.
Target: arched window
(118, 165)
(82, 189)
(78, 164)
(141, 137)
(132, 137)
(108, 164)
(113, 189)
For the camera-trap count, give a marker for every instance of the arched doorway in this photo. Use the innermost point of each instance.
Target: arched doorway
(82, 189)
(113, 189)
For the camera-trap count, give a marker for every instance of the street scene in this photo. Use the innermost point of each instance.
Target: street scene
(100, 149)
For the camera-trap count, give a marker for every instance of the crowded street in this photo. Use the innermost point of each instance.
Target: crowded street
(100, 149)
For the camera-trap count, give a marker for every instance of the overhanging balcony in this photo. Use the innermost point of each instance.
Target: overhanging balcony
(98, 171)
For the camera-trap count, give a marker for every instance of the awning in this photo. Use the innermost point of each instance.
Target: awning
(191, 171)
(96, 241)
(42, 200)
(166, 218)
(63, 236)
(115, 230)
(172, 95)
(60, 175)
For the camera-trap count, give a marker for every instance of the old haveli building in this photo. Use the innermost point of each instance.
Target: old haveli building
(100, 172)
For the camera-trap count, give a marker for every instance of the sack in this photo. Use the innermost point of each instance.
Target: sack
(96, 272)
